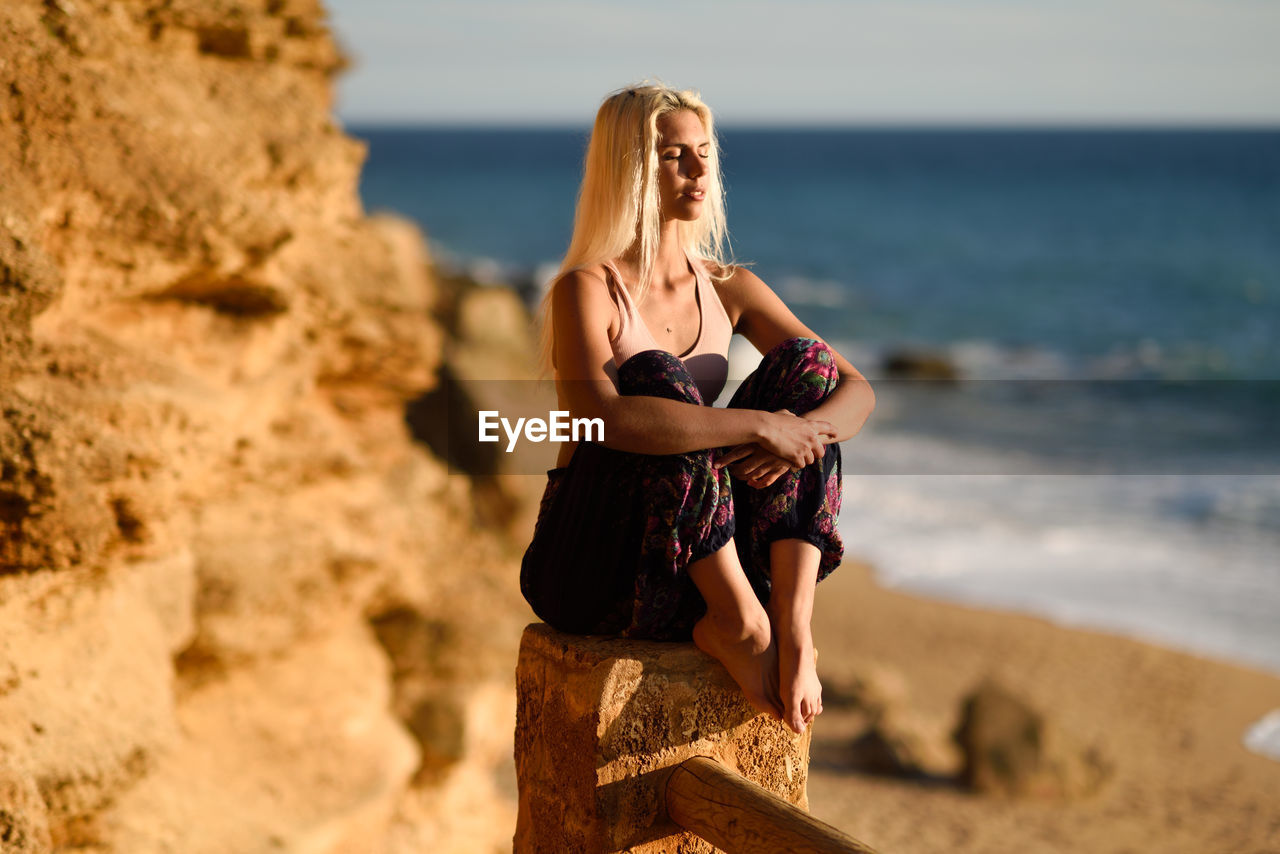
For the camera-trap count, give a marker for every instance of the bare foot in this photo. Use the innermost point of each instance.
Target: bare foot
(799, 688)
(748, 653)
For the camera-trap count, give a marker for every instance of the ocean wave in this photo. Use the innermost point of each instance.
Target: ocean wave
(819, 293)
(1097, 551)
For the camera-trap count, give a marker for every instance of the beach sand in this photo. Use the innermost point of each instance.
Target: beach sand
(1167, 725)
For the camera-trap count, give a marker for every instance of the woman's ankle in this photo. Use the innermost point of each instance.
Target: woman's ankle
(791, 631)
(742, 624)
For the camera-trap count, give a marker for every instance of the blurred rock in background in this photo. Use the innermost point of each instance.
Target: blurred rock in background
(241, 609)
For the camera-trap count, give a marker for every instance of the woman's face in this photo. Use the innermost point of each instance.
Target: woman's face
(683, 149)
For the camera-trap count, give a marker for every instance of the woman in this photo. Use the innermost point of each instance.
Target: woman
(686, 520)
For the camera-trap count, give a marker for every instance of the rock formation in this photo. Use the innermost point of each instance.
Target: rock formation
(240, 608)
(1011, 748)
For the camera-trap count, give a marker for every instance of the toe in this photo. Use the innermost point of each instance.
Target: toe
(795, 717)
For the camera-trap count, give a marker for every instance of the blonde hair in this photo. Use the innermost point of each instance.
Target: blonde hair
(618, 203)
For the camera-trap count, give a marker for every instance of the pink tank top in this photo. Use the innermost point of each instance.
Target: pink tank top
(708, 358)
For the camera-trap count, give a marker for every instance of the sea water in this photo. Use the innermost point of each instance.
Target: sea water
(1109, 300)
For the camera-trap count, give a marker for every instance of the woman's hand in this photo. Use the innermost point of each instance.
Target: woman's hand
(798, 441)
(787, 443)
(753, 464)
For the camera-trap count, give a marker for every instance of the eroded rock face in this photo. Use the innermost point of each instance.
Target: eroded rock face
(24, 822)
(207, 489)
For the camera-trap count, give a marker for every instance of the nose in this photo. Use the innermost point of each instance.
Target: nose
(695, 168)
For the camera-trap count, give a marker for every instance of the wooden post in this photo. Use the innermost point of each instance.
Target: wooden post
(740, 817)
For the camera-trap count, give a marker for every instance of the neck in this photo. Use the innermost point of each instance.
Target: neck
(670, 263)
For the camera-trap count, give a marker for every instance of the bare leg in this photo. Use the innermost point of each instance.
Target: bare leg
(794, 574)
(735, 630)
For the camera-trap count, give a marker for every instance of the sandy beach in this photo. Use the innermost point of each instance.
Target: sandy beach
(1166, 725)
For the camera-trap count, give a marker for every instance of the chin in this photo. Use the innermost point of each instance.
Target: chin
(687, 212)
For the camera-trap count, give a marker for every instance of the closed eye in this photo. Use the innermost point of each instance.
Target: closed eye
(675, 154)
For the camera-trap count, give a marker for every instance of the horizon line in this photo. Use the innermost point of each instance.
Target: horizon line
(820, 125)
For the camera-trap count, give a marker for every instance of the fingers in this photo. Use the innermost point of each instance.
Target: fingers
(766, 478)
(822, 433)
(796, 441)
(811, 451)
(762, 468)
(761, 463)
(733, 455)
(752, 464)
(762, 482)
(825, 429)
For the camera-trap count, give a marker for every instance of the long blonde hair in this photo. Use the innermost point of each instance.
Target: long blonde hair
(618, 203)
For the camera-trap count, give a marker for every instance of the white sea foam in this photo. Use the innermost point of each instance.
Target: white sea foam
(1102, 551)
(1263, 737)
(822, 293)
(1092, 551)
(980, 359)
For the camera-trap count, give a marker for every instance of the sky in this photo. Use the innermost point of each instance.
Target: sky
(827, 62)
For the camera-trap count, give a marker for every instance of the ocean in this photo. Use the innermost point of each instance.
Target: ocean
(1108, 301)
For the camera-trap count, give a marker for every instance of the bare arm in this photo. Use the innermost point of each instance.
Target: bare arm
(760, 316)
(764, 320)
(581, 314)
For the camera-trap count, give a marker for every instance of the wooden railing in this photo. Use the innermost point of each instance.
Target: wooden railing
(732, 813)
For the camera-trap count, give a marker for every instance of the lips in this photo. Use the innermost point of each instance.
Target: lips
(697, 195)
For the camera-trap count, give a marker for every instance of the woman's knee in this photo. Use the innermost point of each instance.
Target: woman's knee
(802, 372)
(657, 373)
(806, 354)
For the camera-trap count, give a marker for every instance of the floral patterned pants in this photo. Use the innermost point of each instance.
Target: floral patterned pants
(616, 531)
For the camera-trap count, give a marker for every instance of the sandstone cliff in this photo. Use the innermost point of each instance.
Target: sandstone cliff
(240, 608)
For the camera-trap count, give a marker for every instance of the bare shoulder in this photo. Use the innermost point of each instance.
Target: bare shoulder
(583, 293)
(584, 285)
(739, 278)
(587, 277)
(739, 289)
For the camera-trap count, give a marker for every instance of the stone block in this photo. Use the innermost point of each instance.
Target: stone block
(600, 723)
